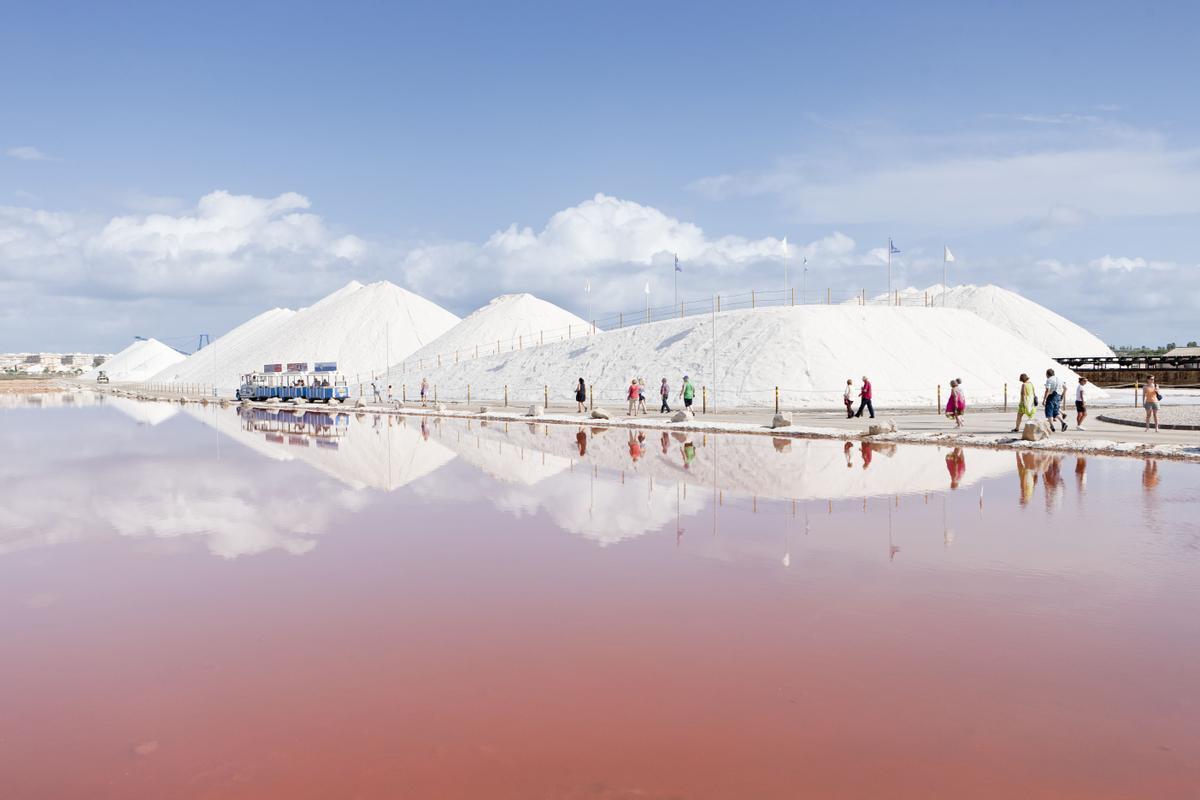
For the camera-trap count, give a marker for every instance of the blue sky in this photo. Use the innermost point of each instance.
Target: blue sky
(1055, 147)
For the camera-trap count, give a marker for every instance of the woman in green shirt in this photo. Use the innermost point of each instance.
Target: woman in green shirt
(1028, 403)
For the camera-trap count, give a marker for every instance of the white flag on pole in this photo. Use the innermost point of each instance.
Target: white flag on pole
(785, 247)
(647, 287)
(948, 256)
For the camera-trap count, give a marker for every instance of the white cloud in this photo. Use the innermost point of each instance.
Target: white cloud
(1109, 263)
(1044, 172)
(27, 153)
(227, 242)
(626, 242)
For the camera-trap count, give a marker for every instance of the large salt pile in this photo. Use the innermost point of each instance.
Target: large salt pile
(1036, 324)
(807, 351)
(199, 366)
(508, 322)
(138, 362)
(360, 327)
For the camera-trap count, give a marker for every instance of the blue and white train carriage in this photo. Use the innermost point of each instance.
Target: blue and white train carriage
(295, 382)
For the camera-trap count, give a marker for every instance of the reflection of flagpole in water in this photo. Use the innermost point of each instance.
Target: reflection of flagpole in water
(892, 549)
(947, 534)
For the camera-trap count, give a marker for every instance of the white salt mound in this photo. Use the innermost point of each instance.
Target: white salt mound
(360, 327)
(509, 322)
(138, 362)
(1020, 316)
(807, 351)
(199, 366)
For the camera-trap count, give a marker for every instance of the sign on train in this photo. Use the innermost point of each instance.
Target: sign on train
(273, 368)
(297, 366)
(325, 366)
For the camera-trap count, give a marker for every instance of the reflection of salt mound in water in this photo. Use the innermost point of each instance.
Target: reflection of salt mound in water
(138, 362)
(142, 412)
(807, 351)
(509, 322)
(1031, 322)
(786, 469)
(378, 451)
(501, 459)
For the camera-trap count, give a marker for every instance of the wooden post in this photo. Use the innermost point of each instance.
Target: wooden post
(591, 397)
(435, 394)
(828, 296)
(776, 399)
(939, 400)
(681, 309)
(1135, 391)
(1006, 395)
(703, 399)
(439, 359)
(506, 395)
(718, 303)
(403, 393)
(620, 319)
(520, 342)
(793, 295)
(468, 394)
(545, 396)
(569, 331)
(752, 298)
(541, 337)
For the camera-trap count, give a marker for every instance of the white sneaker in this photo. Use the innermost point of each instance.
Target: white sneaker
(1080, 428)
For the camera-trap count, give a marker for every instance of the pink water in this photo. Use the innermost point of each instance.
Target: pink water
(225, 607)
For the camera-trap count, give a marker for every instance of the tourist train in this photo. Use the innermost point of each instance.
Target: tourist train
(294, 381)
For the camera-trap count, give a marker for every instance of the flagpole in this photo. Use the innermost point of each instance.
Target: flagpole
(943, 276)
(676, 280)
(889, 291)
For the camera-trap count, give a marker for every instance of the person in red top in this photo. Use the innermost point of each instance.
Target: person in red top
(865, 394)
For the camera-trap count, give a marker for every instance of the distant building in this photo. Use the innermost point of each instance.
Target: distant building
(1184, 352)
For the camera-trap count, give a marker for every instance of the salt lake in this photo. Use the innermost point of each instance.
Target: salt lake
(206, 602)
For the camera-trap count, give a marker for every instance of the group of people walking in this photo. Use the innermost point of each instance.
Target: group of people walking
(1053, 401)
(864, 395)
(636, 394)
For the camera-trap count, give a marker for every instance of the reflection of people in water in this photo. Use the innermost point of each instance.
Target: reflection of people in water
(956, 465)
(1080, 473)
(1149, 474)
(689, 454)
(635, 447)
(424, 429)
(666, 443)
(848, 451)
(866, 454)
(1027, 476)
(581, 442)
(1053, 477)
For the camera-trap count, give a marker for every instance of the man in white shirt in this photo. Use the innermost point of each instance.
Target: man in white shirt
(1080, 403)
(1052, 398)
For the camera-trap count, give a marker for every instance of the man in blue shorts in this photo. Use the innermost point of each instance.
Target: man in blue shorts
(1052, 399)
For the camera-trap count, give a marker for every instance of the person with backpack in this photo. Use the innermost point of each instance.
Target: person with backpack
(665, 391)
(688, 393)
(580, 396)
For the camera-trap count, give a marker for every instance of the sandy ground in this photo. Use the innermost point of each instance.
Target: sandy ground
(30, 386)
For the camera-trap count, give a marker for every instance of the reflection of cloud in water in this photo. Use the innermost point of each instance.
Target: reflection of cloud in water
(231, 504)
